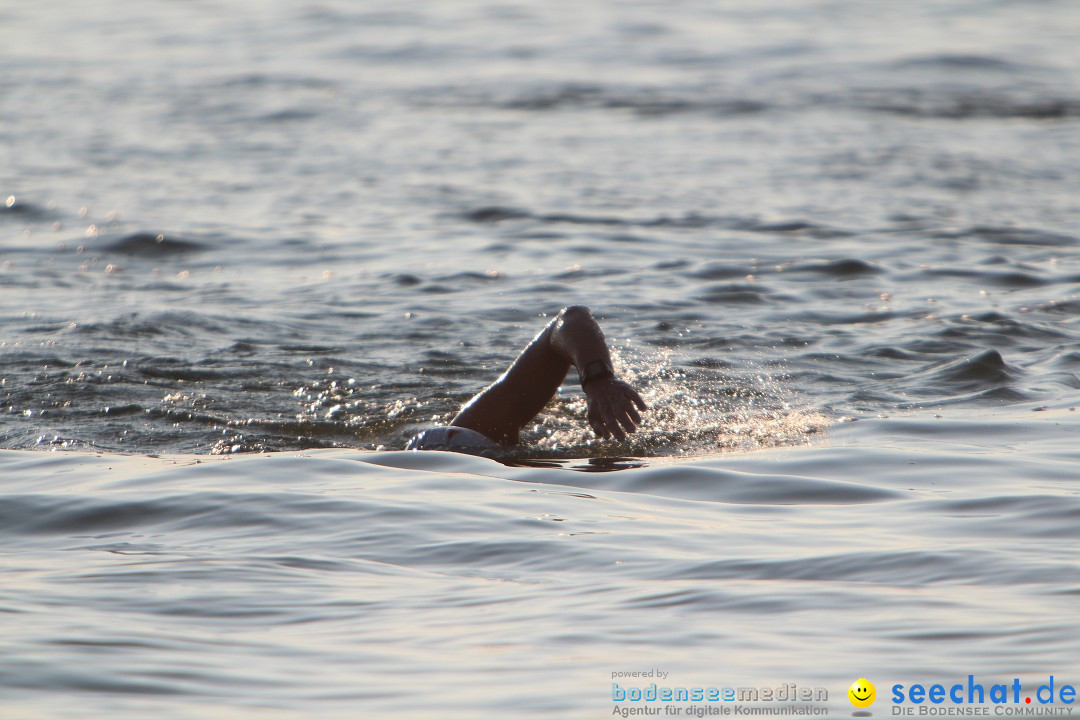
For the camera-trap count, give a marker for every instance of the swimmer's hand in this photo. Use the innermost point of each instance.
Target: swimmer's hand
(611, 408)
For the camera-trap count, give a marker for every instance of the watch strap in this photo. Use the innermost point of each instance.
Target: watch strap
(596, 370)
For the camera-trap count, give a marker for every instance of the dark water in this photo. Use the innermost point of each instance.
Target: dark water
(834, 243)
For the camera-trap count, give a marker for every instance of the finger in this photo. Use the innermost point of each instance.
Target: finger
(616, 420)
(598, 427)
(633, 415)
(627, 423)
(616, 430)
(596, 419)
(637, 400)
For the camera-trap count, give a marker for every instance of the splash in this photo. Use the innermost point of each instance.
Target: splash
(371, 416)
(692, 411)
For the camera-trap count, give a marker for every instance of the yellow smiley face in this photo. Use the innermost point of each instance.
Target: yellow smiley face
(862, 693)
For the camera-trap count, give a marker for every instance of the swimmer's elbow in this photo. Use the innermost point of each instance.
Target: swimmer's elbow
(575, 312)
(574, 326)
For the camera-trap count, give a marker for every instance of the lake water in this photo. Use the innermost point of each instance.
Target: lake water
(247, 250)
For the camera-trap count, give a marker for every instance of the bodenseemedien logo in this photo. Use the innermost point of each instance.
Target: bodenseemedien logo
(701, 701)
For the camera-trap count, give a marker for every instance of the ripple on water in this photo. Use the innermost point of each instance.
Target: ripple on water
(901, 568)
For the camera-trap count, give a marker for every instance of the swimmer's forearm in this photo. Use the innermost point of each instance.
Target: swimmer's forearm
(614, 406)
(576, 337)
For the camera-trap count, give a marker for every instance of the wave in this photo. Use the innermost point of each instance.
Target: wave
(965, 103)
(153, 245)
(498, 214)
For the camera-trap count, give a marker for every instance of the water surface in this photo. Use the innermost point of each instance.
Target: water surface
(247, 251)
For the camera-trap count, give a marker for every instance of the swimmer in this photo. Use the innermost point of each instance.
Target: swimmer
(494, 417)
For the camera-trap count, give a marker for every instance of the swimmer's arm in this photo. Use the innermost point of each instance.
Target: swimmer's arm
(612, 411)
(572, 338)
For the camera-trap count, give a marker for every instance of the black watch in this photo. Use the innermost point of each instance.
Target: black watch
(596, 370)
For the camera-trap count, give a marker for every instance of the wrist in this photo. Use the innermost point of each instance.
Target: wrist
(596, 370)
